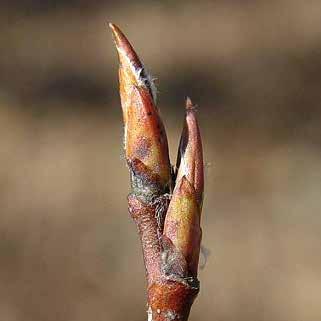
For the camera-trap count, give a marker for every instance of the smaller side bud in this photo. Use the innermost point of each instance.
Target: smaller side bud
(182, 224)
(190, 153)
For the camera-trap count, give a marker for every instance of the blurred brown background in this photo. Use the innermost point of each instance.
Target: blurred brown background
(68, 249)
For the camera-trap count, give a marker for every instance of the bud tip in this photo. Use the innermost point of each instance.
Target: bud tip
(189, 104)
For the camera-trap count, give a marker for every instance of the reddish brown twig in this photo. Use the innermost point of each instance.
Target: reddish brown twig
(165, 206)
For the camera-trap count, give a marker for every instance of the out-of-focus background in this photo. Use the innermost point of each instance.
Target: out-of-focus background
(68, 248)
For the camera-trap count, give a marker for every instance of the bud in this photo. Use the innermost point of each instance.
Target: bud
(145, 136)
(190, 153)
(182, 224)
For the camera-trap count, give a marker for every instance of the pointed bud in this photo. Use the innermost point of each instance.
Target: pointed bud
(145, 137)
(182, 224)
(190, 153)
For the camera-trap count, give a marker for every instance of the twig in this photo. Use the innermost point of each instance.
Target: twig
(165, 205)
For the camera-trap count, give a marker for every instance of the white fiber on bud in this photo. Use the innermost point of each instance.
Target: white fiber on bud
(150, 83)
(142, 76)
(150, 314)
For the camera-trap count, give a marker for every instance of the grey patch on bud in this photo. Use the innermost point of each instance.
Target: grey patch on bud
(161, 205)
(171, 315)
(145, 187)
(146, 192)
(174, 264)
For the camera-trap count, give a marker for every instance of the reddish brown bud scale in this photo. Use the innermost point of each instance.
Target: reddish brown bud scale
(146, 141)
(182, 224)
(190, 153)
(122, 43)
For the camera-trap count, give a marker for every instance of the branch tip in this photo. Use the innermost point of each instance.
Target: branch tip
(167, 216)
